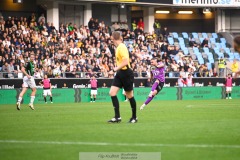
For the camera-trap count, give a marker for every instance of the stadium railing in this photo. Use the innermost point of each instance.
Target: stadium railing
(103, 75)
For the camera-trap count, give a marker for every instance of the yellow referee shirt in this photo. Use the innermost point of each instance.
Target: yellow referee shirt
(122, 53)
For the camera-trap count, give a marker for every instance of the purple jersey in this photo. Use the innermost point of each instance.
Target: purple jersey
(159, 73)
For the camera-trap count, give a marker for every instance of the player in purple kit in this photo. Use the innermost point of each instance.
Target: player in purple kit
(158, 77)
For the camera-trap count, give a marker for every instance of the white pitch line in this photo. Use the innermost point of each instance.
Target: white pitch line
(201, 105)
(122, 144)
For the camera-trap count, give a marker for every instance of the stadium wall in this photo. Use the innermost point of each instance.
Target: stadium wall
(78, 95)
(82, 83)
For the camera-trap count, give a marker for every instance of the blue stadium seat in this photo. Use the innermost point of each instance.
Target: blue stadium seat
(227, 50)
(209, 66)
(223, 45)
(185, 51)
(170, 40)
(231, 55)
(195, 35)
(182, 46)
(201, 39)
(206, 50)
(204, 35)
(175, 34)
(218, 45)
(214, 35)
(236, 56)
(211, 60)
(212, 40)
(185, 35)
(223, 40)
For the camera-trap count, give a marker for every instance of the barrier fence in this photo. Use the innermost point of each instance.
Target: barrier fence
(78, 95)
(83, 82)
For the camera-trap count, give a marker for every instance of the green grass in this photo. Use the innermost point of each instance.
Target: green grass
(169, 127)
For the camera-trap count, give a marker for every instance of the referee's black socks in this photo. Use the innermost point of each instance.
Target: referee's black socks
(115, 103)
(134, 107)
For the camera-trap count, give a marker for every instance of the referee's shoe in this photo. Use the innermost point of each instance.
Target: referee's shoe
(133, 120)
(115, 120)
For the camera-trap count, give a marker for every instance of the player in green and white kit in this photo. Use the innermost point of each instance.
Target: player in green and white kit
(28, 81)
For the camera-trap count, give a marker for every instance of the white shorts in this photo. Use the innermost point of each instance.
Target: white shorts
(228, 89)
(47, 92)
(29, 82)
(93, 92)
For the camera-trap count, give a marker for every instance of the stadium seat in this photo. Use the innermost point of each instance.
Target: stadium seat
(214, 35)
(223, 45)
(200, 35)
(195, 35)
(223, 40)
(217, 45)
(236, 56)
(185, 51)
(209, 66)
(204, 35)
(170, 40)
(175, 34)
(204, 55)
(185, 35)
(212, 40)
(209, 35)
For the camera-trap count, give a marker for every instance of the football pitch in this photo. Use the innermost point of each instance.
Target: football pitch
(180, 130)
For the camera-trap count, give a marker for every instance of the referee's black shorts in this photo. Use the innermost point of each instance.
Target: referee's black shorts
(124, 79)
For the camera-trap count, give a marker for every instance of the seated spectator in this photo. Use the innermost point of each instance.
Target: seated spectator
(148, 83)
(141, 85)
(215, 73)
(165, 33)
(205, 42)
(192, 42)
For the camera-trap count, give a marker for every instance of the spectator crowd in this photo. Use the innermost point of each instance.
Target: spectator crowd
(73, 51)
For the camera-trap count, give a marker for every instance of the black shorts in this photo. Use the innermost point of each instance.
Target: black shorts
(160, 86)
(124, 79)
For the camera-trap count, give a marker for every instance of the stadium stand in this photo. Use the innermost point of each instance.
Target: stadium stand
(82, 51)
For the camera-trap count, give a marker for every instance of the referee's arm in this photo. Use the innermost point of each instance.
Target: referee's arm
(123, 64)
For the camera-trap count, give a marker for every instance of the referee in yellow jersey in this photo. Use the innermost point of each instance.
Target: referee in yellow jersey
(123, 79)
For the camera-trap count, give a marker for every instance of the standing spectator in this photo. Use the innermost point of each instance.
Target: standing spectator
(236, 44)
(134, 25)
(165, 33)
(94, 86)
(91, 24)
(11, 70)
(215, 73)
(157, 28)
(141, 24)
(180, 81)
(234, 67)
(228, 84)
(42, 19)
(189, 81)
(221, 65)
(1, 63)
(5, 70)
